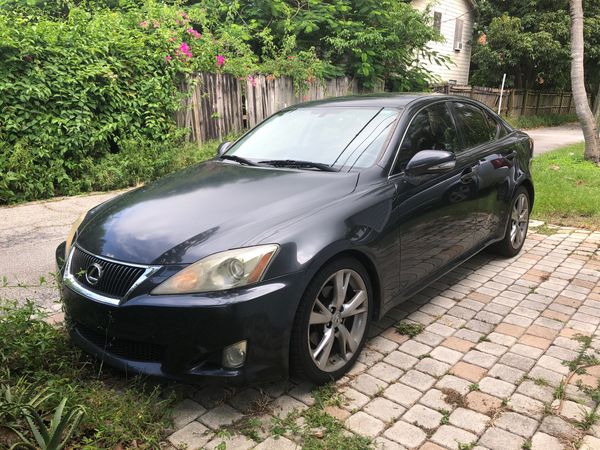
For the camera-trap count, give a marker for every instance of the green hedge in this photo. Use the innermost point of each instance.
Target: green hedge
(87, 100)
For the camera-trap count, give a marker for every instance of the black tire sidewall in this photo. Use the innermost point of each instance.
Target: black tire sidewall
(505, 247)
(301, 363)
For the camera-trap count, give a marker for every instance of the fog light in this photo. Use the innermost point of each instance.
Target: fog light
(234, 356)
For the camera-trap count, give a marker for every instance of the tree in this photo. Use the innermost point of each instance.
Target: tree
(373, 40)
(582, 107)
(529, 41)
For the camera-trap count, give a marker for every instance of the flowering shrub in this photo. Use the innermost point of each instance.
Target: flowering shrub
(76, 91)
(82, 85)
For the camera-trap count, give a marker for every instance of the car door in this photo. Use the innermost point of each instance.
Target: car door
(436, 213)
(484, 140)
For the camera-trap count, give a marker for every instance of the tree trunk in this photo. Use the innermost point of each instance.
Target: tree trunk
(597, 105)
(582, 106)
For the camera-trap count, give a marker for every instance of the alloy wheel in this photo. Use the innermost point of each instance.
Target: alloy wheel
(519, 220)
(338, 320)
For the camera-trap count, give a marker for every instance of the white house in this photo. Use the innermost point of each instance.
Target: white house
(454, 20)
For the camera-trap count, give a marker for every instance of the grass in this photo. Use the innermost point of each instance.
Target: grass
(409, 329)
(36, 357)
(318, 430)
(526, 122)
(567, 188)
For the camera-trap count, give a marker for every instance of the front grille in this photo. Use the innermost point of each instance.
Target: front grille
(125, 348)
(116, 278)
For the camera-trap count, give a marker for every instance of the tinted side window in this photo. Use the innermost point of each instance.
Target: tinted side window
(499, 129)
(431, 129)
(474, 125)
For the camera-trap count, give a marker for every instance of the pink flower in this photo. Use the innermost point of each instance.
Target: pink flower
(168, 58)
(252, 80)
(155, 24)
(194, 33)
(220, 60)
(185, 49)
(144, 24)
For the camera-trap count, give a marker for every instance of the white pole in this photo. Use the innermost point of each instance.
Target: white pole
(501, 92)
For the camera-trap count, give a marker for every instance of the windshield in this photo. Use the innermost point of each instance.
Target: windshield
(340, 136)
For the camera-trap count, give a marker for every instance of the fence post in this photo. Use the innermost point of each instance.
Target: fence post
(524, 104)
(472, 94)
(560, 104)
(537, 105)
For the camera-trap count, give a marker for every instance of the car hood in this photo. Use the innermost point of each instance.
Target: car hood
(210, 207)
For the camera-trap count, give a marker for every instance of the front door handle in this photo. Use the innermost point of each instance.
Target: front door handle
(467, 176)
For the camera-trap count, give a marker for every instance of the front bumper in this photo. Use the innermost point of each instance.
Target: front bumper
(182, 337)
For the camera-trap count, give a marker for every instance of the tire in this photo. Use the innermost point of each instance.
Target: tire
(518, 222)
(341, 331)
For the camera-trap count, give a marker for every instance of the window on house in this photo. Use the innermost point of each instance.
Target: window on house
(437, 21)
(458, 33)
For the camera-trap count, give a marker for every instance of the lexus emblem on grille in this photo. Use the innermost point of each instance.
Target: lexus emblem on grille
(93, 274)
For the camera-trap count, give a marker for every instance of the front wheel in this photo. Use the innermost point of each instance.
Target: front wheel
(518, 224)
(332, 321)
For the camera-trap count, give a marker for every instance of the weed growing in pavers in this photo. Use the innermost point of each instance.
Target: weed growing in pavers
(559, 391)
(545, 230)
(584, 358)
(526, 445)
(247, 426)
(379, 392)
(327, 395)
(548, 411)
(445, 417)
(319, 431)
(484, 339)
(410, 329)
(466, 446)
(590, 418)
(473, 387)
(540, 382)
(454, 398)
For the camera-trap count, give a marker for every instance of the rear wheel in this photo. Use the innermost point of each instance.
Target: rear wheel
(332, 321)
(518, 224)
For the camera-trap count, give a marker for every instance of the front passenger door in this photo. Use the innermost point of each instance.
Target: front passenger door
(436, 213)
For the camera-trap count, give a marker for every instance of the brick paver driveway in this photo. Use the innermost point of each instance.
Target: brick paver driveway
(488, 370)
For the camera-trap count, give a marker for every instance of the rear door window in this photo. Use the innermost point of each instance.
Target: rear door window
(474, 125)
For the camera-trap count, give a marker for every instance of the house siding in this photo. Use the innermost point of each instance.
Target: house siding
(458, 70)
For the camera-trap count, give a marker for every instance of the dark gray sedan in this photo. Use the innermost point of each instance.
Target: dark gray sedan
(277, 254)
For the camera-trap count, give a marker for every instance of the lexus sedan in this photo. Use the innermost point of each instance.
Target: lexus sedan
(274, 257)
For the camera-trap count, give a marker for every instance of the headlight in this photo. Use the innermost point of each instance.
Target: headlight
(225, 270)
(72, 234)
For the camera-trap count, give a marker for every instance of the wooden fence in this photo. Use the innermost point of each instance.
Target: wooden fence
(221, 104)
(516, 102)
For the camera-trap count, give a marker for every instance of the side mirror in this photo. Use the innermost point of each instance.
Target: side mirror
(430, 162)
(223, 148)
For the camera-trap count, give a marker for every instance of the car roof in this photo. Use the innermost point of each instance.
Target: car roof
(380, 100)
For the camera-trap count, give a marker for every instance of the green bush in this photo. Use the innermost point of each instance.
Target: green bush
(88, 99)
(138, 163)
(547, 120)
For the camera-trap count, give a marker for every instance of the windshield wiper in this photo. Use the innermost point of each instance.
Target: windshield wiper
(299, 164)
(239, 159)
